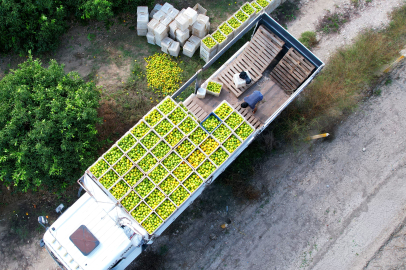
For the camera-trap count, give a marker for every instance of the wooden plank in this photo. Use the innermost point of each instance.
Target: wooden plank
(281, 80)
(268, 33)
(249, 116)
(291, 72)
(283, 76)
(297, 65)
(304, 61)
(195, 109)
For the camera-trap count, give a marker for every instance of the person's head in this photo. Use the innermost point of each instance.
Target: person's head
(244, 105)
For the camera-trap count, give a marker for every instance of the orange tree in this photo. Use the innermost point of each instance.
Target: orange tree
(47, 126)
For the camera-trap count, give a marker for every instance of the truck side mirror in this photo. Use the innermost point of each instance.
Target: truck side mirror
(43, 221)
(59, 208)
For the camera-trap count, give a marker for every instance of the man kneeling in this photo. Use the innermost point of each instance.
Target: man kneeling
(252, 101)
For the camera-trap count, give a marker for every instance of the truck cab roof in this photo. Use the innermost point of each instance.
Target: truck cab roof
(89, 235)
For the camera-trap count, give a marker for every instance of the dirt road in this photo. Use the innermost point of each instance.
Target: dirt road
(332, 205)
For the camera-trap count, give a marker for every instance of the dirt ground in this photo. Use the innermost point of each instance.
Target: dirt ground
(328, 205)
(372, 14)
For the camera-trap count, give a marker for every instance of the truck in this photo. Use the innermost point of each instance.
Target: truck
(101, 231)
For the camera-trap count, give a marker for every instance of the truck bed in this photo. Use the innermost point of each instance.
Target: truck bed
(274, 97)
(273, 94)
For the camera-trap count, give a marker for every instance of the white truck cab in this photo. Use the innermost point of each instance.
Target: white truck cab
(94, 233)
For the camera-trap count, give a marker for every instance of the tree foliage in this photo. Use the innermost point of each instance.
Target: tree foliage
(47, 126)
(36, 25)
(31, 25)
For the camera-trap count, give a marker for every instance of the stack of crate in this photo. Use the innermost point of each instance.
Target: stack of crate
(153, 169)
(172, 29)
(142, 21)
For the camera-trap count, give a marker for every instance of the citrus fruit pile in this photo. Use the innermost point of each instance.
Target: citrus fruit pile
(165, 209)
(182, 171)
(137, 152)
(247, 8)
(209, 145)
(140, 130)
(169, 184)
(214, 87)
(144, 187)
(99, 168)
(172, 161)
(119, 190)
(256, 6)
(158, 174)
(123, 166)
(221, 133)
(187, 125)
(185, 148)
(152, 223)
(108, 179)
(206, 169)
(113, 155)
(127, 142)
(223, 111)
(209, 42)
(167, 106)
(161, 150)
(141, 212)
(163, 74)
(263, 3)
(130, 201)
(234, 23)
(211, 123)
(174, 137)
(179, 195)
(244, 131)
(164, 127)
(153, 117)
(150, 140)
(241, 16)
(219, 156)
(147, 162)
(193, 182)
(198, 136)
(234, 120)
(218, 36)
(155, 198)
(231, 143)
(133, 176)
(196, 158)
(225, 29)
(177, 115)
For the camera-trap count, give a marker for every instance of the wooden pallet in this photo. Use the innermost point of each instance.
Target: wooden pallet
(248, 115)
(255, 58)
(291, 71)
(194, 108)
(237, 66)
(263, 48)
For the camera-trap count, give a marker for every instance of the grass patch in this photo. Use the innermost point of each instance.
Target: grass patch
(342, 83)
(332, 22)
(308, 39)
(286, 12)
